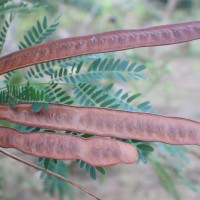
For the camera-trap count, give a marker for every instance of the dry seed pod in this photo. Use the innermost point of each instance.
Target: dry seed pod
(95, 151)
(99, 43)
(107, 122)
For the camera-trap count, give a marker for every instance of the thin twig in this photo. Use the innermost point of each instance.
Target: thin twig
(49, 172)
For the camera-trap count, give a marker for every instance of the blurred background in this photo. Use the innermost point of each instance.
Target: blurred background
(172, 88)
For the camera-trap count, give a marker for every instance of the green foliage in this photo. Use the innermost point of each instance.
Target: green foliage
(12, 95)
(91, 95)
(91, 169)
(53, 185)
(45, 162)
(4, 30)
(38, 33)
(119, 69)
(49, 68)
(99, 69)
(57, 94)
(144, 149)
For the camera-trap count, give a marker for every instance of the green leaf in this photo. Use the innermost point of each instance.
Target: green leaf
(133, 97)
(142, 105)
(82, 164)
(46, 163)
(107, 103)
(101, 170)
(36, 107)
(145, 147)
(45, 22)
(39, 27)
(139, 68)
(93, 173)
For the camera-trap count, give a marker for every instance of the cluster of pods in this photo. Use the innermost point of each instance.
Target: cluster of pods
(103, 123)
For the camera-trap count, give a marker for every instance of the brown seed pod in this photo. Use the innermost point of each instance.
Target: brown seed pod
(95, 151)
(99, 43)
(107, 122)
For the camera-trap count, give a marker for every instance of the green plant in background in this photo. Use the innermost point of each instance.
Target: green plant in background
(89, 80)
